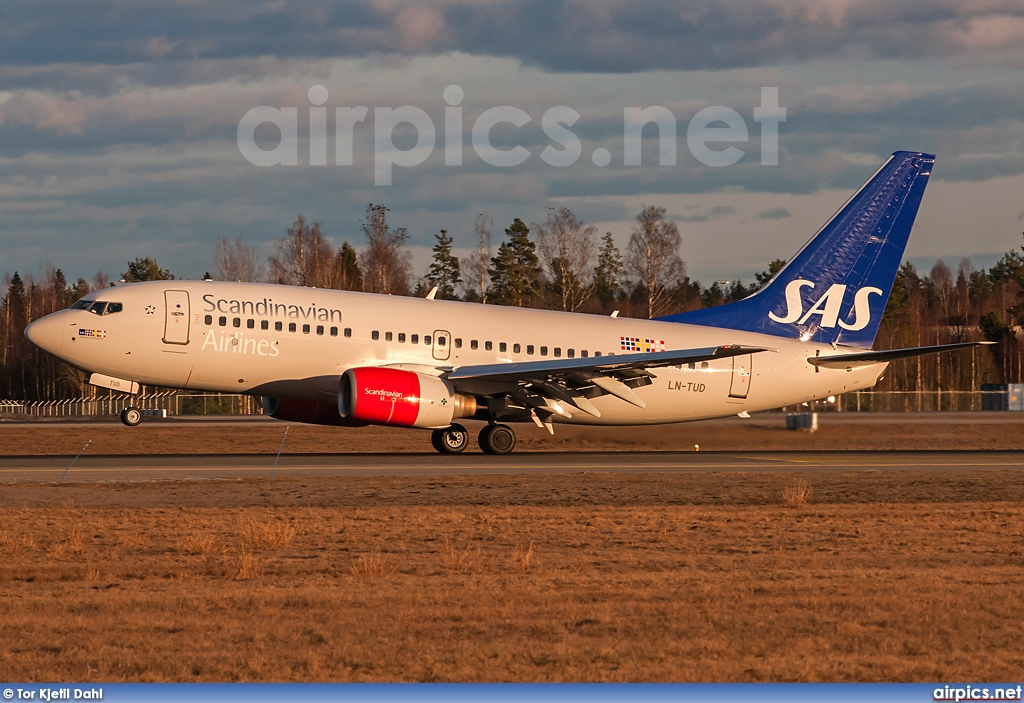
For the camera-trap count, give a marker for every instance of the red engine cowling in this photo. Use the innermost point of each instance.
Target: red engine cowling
(383, 396)
(309, 412)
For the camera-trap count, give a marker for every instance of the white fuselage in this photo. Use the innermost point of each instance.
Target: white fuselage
(297, 342)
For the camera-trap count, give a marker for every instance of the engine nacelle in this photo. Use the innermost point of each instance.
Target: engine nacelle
(384, 396)
(309, 412)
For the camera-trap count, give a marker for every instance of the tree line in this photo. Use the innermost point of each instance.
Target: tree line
(561, 263)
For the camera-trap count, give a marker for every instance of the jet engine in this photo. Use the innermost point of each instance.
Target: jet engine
(309, 412)
(383, 396)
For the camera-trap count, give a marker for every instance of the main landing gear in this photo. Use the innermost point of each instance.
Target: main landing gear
(131, 416)
(497, 439)
(450, 441)
(494, 439)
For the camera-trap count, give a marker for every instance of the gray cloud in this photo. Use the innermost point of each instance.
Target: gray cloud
(777, 213)
(566, 35)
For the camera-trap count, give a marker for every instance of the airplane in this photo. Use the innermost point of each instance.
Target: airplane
(351, 359)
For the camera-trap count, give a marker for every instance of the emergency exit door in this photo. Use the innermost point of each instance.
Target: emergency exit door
(442, 345)
(739, 386)
(176, 317)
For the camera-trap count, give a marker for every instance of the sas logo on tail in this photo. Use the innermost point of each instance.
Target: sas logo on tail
(827, 306)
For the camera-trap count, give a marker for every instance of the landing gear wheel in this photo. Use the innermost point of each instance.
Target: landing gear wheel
(497, 439)
(131, 416)
(450, 441)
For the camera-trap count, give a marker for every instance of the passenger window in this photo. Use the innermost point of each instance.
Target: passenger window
(222, 321)
(291, 326)
(529, 349)
(584, 354)
(597, 353)
(426, 339)
(264, 325)
(458, 342)
(487, 346)
(387, 336)
(375, 335)
(502, 346)
(334, 331)
(348, 331)
(208, 320)
(441, 341)
(320, 329)
(543, 351)
(401, 337)
(703, 365)
(112, 308)
(473, 344)
(236, 322)
(305, 329)
(571, 353)
(414, 338)
(250, 323)
(692, 365)
(558, 351)
(516, 348)
(278, 326)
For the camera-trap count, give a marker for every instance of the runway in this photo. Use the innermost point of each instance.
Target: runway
(162, 467)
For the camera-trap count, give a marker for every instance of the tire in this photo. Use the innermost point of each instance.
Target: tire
(435, 441)
(497, 439)
(131, 416)
(450, 441)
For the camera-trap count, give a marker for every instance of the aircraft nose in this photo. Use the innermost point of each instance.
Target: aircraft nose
(47, 333)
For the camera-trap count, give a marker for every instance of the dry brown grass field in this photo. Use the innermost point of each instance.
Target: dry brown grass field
(766, 431)
(892, 576)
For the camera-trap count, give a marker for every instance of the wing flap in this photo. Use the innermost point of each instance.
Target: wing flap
(554, 368)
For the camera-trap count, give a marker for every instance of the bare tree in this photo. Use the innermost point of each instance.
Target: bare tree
(304, 256)
(653, 256)
(476, 264)
(234, 261)
(384, 262)
(567, 247)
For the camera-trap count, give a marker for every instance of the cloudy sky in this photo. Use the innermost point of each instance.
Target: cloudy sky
(119, 121)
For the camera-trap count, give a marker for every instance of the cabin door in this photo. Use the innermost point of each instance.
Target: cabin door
(176, 317)
(740, 383)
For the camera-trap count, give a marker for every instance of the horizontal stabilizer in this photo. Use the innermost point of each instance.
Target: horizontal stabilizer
(842, 361)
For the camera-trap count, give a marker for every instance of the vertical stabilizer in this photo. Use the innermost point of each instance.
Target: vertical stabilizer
(835, 289)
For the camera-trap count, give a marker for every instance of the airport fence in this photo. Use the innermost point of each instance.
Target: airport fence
(185, 403)
(161, 402)
(1001, 398)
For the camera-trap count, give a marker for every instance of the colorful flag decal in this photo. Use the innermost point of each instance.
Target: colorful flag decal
(639, 344)
(96, 334)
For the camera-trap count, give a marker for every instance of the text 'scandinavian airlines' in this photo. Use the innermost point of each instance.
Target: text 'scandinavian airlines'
(349, 359)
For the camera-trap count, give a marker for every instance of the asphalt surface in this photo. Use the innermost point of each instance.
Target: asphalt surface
(49, 469)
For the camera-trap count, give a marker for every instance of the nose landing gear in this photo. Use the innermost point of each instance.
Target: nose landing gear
(131, 416)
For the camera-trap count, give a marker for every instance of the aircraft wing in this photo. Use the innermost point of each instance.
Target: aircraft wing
(543, 388)
(865, 358)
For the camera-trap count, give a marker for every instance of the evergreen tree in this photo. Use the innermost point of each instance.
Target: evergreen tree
(444, 271)
(773, 268)
(347, 275)
(608, 273)
(515, 270)
(145, 269)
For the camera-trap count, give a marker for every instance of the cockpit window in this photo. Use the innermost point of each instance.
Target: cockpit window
(81, 305)
(98, 307)
(112, 308)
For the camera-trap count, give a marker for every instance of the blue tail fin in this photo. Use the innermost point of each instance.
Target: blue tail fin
(835, 289)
